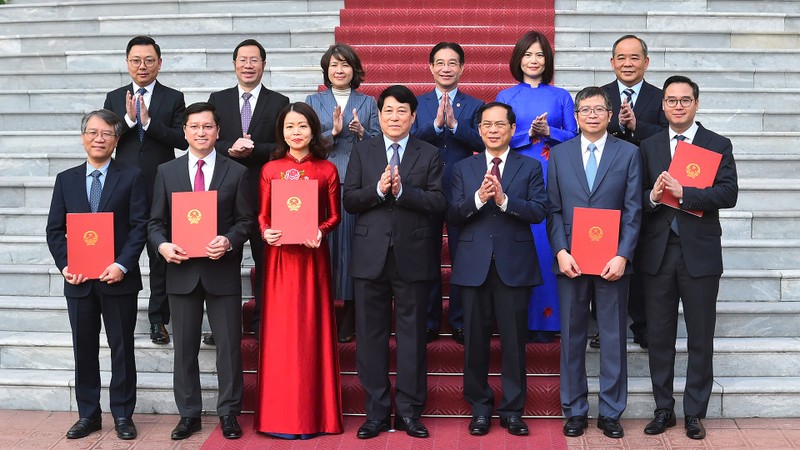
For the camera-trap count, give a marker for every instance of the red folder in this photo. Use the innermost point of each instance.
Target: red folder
(692, 166)
(595, 237)
(90, 243)
(194, 221)
(295, 210)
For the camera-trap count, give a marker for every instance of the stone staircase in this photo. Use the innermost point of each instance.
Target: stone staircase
(57, 60)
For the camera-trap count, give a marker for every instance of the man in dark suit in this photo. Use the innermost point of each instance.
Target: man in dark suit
(496, 196)
(152, 116)
(449, 122)
(215, 279)
(247, 114)
(393, 183)
(593, 170)
(102, 185)
(682, 258)
(637, 106)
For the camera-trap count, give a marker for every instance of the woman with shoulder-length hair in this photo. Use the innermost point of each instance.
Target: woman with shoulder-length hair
(347, 116)
(299, 390)
(545, 118)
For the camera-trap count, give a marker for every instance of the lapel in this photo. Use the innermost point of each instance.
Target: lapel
(430, 103)
(574, 154)
(261, 105)
(377, 157)
(610, 153)
(220, 169)
(182, 175)
(410, 156)
(616, 102)
(232, 108)
(513, 165)
(112, 177)
(78, 184)
(643, 100)
(478, 166)
(701, 138)
(458, 105)
(328, 104)
(156, 99)
(663, 153)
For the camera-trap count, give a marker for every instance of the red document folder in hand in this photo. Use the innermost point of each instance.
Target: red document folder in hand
(194, 221)
(295, 210)
(90, 243)
(595, 237)
(692, 166)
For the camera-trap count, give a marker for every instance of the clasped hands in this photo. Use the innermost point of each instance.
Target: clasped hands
(491, 188)
(112, 274)
(444, 114)
(354, 126)
(539, 126)
(665, 181)
(243, 147)
(271, 237)
(390, 181)
(627, 119)
(173, 253)
(130, 108)
(613, 270)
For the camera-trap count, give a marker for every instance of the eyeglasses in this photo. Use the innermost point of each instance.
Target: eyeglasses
(148, 62)
(92, 134)
(197, 128)
(599, 110)
(252, 61)
(501, 125)
(439, 64)
(684, 101)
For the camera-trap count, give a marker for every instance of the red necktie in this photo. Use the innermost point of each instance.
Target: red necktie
(199, 178)
(496, 168)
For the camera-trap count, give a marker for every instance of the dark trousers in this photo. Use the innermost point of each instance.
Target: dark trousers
(455, 313)
(509, 305)
(158, 307)
(373, 326)
(663, 291)
(119, 317)
(225, 319)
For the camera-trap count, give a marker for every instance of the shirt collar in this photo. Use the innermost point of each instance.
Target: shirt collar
(209, 160)
(387, 143)
(103, 169)
(503, 156)
(600, 143)
(689, 134)
(149, 87)
(451, 94)
(255, 92)
(636, 87)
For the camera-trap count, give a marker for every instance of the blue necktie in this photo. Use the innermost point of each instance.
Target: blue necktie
(94, 191)
(591, 166)
(139, 127)
(673, 224)
(629, 94)
(394, 161)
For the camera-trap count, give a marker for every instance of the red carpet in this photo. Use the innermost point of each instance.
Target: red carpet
(446, 433)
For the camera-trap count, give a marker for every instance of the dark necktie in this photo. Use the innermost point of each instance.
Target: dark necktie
(394, 161)
(496, 168)
(629, 94)
(591, 166)
(199, 178)
(94, 191)
(247, 112)
(673, 224)
(139, 127)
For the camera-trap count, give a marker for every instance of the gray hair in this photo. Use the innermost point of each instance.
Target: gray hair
(107, 116)
(629, 36)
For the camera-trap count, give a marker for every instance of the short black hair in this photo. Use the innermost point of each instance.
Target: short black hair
(248, 43)
(345, 53)
(592, 91)
(682, 79)
(401, 93)
(319, 146)
(629, 36)
(452, 46)
(142, 40)
(512, 118)
(199, 107)
(522, 46)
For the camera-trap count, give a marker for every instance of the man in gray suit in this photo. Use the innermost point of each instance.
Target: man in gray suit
(593, 170)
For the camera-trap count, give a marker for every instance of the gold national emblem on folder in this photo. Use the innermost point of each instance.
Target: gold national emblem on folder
(90, 237)
(194, 216)
(692, 170)
(595, 234)
(294, 203)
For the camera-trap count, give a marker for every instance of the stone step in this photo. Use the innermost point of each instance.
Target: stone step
(759, 224)
(687, 21)
(778, 6)
(188, 38)
(582, 36)
(47, 9)
(681, 58)
(761, 254)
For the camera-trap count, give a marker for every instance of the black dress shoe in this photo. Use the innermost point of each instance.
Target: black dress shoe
(372, 428)
(479, 425)
(125, 428)
(346, 326)
(665, 418)
(208, 339)
(230, 427)
(641, 339)
(431, 335)
(186, 427)
(84, 427)
(595, 342)
(611, 427)
(458, 335)
(159, 334)
(575, 426)
(515, 425)
(694, 428)
(412, 427)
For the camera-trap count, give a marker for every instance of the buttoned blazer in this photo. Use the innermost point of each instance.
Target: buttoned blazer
(124, 195)
(404, 222)
(617, 185)
(700, 237)
(235, 221)
(489, 233)
(647, 108)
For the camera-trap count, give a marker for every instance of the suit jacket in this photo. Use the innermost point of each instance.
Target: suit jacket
(163, 135)
(324, 103)
(261, 130)
(617, 186)
(647, 108)
(124, 195)
(488, 233)
(235, 221)
(404, 221)
(453, 147)
(700, 237)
